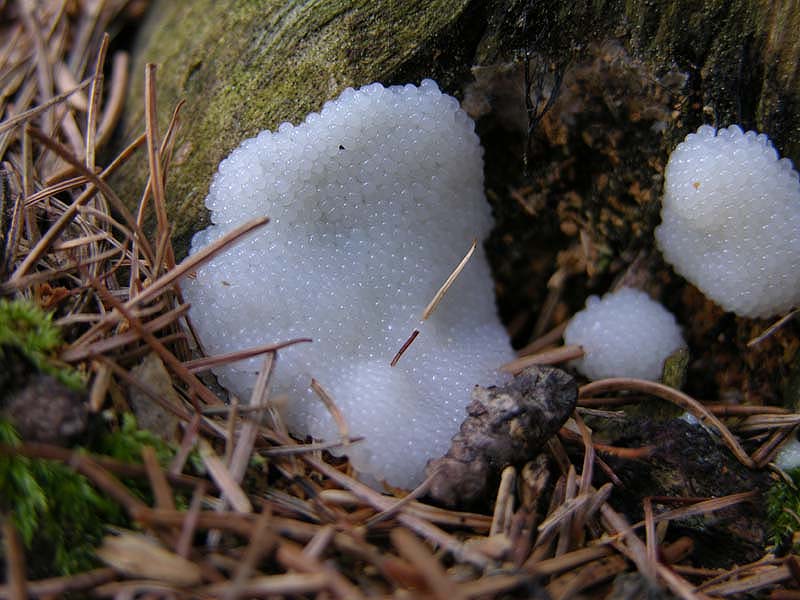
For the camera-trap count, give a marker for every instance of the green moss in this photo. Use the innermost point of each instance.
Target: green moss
(61, 518)
(19, 489)
(28, 329)
(126, 443)
(783, 511)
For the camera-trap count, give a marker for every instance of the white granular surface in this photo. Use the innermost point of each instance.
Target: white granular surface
(626, 334)
(788, 457)
(373, 201)
(731, 220)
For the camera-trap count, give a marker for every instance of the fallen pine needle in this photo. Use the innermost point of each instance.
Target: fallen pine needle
(404, 347)
(545, 357)
(665, 392)
(437, 298)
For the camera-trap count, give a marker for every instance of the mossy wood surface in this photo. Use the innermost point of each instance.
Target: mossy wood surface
(248, 65)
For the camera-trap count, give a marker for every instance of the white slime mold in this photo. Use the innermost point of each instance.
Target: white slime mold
(624, 334)
(373, 201)
(731, 220)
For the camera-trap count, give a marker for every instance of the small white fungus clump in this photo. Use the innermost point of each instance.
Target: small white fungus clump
(788, 457)
(626, 334)
(731, 220)
(373, 201)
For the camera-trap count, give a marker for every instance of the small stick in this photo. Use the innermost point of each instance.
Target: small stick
(209, 362)
(15, 555)
(224, 479)
(230, 430)
(546, 357)
(665, 392)
(32, 112)
(292, 557)
(154, 162)
(418, 491)
(190, 433)
(73, 457)
(94, 103)
(504, 503)
(272, 586)
(773, 328)
(195, 260)
(479, 523)
(437, 298)
(576, 558)
(103, 346)
(56, 587)
(766, 451)
(404, 347)
(633, 547)
(158, 480)
(651, 542)
(333, 409)
(116, 100)
(418, 554)
(565, 541)
(548, 339)
(247, 436)
(100, 384)
(640, 452)
(262, 541)
(184, 545)
(317, 544)
(299, 449)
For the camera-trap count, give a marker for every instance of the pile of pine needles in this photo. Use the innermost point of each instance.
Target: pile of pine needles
(266, 515)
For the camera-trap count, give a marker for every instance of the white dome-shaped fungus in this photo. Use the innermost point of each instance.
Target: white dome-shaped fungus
(731, 220)
(626, 334)
(788, 457)
(373, 201)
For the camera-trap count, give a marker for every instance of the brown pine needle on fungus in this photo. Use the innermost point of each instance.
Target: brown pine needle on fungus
(404, 347)
(437, 298)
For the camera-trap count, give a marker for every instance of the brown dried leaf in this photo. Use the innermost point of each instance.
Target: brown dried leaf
(139, 556)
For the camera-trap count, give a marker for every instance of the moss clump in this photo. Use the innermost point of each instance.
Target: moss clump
(783, 511)
(29, 330)
(61, 518)
(126, 443)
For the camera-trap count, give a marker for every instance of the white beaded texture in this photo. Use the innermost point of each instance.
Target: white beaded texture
(373, 201)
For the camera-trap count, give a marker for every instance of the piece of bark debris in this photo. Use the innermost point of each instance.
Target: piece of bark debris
(45, 410)
(505, 426)
(153, 417)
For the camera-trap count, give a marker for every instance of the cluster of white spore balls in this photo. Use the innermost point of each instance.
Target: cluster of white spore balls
(731, 220)
(373, 201)
(624, 334)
